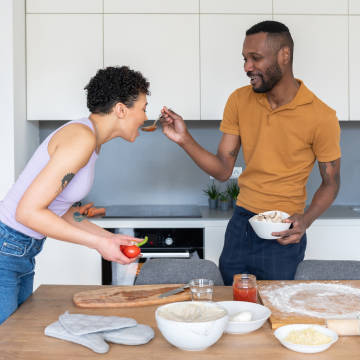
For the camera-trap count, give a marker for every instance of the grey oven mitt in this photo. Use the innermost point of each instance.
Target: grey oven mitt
(94, 342)
(81, 324)
(136, 335)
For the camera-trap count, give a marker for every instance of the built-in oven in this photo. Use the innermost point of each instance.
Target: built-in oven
(162, 243)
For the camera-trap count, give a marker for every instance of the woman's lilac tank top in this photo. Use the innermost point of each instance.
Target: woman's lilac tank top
(76, 190)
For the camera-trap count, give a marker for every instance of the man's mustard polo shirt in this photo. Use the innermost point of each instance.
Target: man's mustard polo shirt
(280, 146)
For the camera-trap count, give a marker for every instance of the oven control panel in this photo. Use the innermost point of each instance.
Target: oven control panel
(171, 238)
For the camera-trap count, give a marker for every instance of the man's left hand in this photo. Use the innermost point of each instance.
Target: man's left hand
(295, 233)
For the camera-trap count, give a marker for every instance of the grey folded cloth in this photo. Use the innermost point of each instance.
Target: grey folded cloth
(136, 335)
(92, 331)
(94, 342)
(80, 324)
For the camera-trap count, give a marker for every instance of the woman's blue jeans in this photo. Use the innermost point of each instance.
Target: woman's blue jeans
(17, 263)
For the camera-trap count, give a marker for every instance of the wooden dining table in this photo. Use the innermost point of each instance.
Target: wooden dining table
(22, 335)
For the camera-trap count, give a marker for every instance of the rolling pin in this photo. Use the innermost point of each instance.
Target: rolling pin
(345, 327)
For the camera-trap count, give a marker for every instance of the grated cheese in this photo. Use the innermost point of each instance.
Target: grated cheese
(308, 336)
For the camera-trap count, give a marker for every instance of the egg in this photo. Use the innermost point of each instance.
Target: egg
(241, 316)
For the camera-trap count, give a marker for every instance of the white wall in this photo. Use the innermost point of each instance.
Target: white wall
(6, 96)
(26, 132)
(18, 137)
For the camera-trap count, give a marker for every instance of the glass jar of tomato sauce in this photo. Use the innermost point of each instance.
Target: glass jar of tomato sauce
(244, 287)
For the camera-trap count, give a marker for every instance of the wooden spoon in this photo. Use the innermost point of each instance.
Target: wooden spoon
(151, 127)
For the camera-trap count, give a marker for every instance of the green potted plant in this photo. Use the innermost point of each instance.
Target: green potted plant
(233, 191)
(224, 201)
(212, 192)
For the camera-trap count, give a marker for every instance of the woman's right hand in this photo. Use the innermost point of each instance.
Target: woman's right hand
(173, 126)
(109, 247)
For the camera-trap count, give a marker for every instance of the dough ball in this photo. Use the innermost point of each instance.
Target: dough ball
(241, 316)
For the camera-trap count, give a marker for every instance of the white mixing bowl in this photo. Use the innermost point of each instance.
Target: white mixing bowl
(263, 229)
(191, 335)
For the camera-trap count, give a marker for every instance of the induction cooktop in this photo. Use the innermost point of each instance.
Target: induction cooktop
(152, 211)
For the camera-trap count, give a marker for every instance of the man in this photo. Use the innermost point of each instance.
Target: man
(282, 128)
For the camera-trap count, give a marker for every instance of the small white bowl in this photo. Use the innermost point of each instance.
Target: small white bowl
(282, 332)
(264, 229)
(259, 313)
(191, 335)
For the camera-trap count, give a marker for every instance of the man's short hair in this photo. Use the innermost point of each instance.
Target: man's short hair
(278, 34)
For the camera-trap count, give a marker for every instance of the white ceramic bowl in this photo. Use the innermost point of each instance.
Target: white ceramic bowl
(264, 229)
(192, 336)
(282, 332)
(259, 313)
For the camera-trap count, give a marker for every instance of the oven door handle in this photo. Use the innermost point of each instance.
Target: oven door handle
(184, 254)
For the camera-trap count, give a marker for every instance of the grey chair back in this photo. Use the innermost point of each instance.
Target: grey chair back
(328, 270)
(178, 271)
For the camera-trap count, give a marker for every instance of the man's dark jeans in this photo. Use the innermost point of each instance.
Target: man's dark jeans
(245, 252)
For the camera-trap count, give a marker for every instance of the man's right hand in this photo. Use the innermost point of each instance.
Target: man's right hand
(221, 165)
(174, 127)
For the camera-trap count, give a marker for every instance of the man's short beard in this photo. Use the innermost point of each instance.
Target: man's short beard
(274, 75)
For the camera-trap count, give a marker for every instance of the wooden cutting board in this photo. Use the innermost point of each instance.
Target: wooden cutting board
(304, 302)
(129, 296)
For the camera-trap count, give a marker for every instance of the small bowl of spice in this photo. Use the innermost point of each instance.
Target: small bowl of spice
(306, 338)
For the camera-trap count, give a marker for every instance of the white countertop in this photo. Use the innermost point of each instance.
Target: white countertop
(216, 217)
(341, 212)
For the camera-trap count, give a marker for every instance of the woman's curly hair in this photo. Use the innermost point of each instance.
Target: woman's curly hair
(112, 85)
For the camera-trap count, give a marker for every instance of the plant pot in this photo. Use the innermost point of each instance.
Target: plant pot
(233, 203)
(213, 203)
(224, 205)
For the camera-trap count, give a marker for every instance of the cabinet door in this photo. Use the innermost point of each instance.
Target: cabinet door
(321, 57)
(222, 65)
(64, 6)
(66, 263)
(165, 49)
(310, 7)
(236, 7)
(63, 53)
(354, 7)
(151, 6)
(354, 70)
(214, 242)
(327, 242)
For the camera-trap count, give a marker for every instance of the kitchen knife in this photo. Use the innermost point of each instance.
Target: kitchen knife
(174, 291)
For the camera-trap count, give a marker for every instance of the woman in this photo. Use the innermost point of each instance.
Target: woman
(60, 173)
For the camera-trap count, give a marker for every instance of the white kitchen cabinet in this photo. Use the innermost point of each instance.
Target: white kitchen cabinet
(151, 6)
(63, 53)
(310, 7)
(61, 262)
(236, 6)
(354, 7)
(333, 240)
(165, 49)
(354, 70)
(64, 6)
(214, 242)
(222, 65)
(321, 57)
(194, 73)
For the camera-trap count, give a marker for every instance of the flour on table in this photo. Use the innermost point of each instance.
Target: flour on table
(330, 301)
